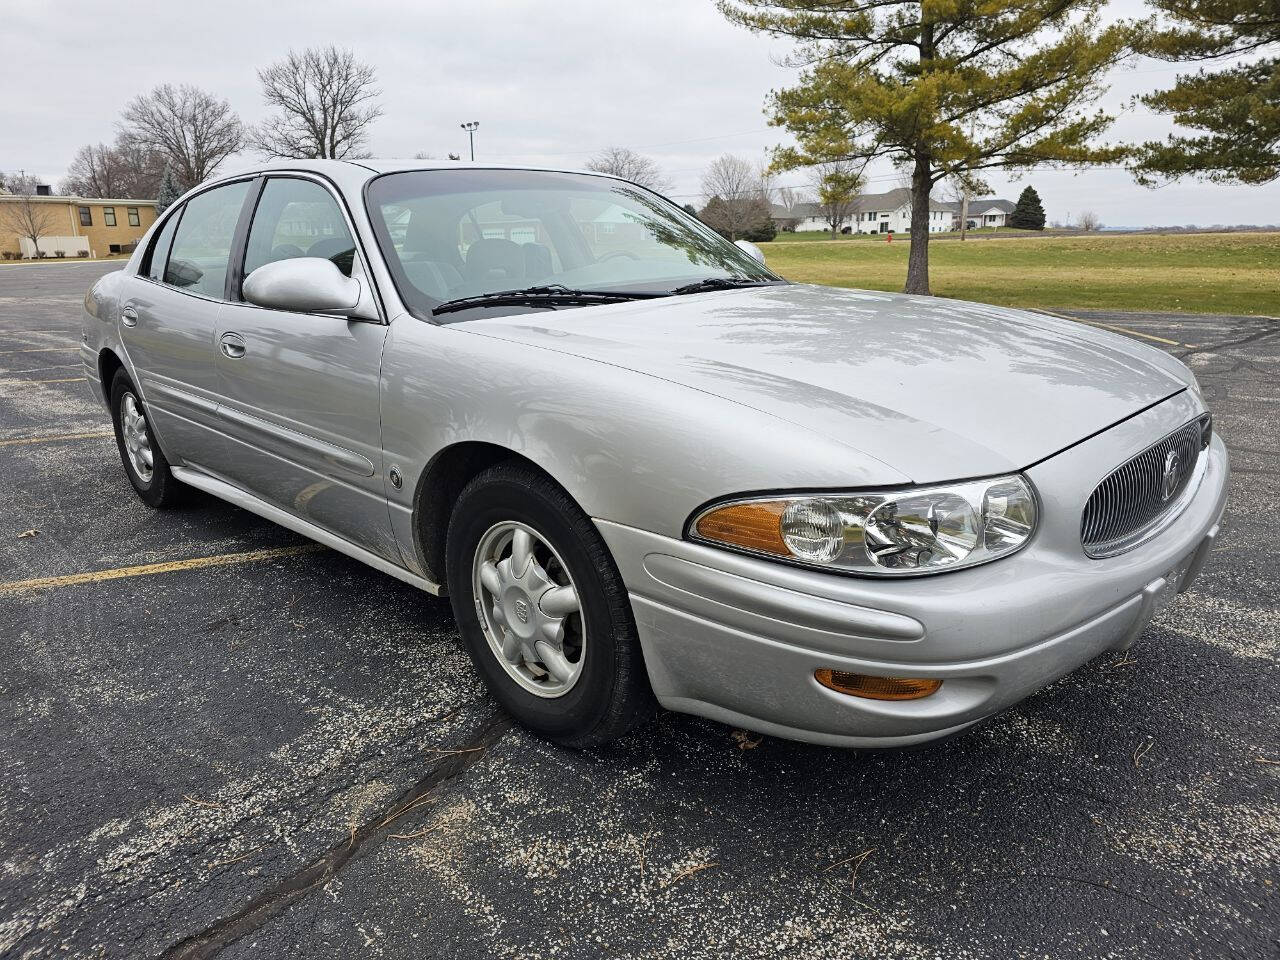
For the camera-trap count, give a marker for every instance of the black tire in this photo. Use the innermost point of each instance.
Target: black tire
(611, 697)
(162, 490)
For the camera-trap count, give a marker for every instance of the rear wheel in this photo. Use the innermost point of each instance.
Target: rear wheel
(144, 463)
(542, 609)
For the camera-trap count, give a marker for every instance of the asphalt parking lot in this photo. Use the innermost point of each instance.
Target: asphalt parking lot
(265, 749)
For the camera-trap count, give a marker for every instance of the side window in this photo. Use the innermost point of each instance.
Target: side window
(160, 249)
(298, 218)
(202, 243)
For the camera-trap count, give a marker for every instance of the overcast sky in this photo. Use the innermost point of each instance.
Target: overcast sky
(549, 82)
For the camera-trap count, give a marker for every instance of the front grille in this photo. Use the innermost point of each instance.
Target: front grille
(1133, 500)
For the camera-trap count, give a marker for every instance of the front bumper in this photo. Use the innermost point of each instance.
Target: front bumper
(738, 639)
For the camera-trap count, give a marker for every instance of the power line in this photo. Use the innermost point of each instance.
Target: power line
(643, 146)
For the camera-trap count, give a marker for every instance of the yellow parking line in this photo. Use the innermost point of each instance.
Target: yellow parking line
(54, 366)
(63, 380)
(1134, 333)
(41, 349)
(54, 438)
(1108, 326)
(150, 569)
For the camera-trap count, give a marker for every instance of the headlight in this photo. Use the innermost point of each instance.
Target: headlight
(890, 533)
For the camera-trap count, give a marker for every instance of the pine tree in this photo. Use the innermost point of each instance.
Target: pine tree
(1028, 212)
(1233, 113)
(168, 191)
(941, 88)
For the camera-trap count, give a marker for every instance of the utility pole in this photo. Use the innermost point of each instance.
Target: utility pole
(965, 185)
(470, 127)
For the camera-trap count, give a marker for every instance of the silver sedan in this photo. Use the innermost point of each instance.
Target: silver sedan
(642, 466)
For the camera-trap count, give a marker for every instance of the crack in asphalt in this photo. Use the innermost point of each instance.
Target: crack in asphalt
(272, 902)
(1214, 347)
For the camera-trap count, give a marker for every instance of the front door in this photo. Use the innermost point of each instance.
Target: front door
(300, 390)
(169, 315)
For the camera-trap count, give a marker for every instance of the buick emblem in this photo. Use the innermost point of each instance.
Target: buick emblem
(522, 608)
(1170, 481)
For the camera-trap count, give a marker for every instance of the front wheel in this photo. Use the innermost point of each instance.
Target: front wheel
(542, 609)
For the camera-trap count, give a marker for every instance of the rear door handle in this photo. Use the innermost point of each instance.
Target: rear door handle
(232, 345)
(129, 316)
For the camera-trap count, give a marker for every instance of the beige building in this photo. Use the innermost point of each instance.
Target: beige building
(101, 227)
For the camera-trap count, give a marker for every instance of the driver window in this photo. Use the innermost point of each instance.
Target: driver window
(298, 218)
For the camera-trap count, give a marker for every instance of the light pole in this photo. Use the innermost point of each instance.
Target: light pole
(470, 127)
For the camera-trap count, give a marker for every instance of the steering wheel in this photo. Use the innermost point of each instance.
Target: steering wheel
(616, 253)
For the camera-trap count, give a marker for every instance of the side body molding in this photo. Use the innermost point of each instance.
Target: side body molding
(336, 456)
(271, 434)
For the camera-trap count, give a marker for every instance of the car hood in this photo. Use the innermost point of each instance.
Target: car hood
(938, 389)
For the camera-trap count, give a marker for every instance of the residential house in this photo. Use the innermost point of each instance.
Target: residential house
(983, 212)
(96, 225)
(888, 212)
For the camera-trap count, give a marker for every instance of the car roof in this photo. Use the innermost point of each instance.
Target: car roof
(344, 169)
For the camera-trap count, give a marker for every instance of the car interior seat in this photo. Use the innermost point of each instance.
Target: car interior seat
(537, 261)
(492, 263)
(340, 250)
(423, 257)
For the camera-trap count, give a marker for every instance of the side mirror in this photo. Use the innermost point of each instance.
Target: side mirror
(302, 284)
(750, 249)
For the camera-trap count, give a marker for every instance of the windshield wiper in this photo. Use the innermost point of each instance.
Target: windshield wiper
(549, 294)
(720, 283)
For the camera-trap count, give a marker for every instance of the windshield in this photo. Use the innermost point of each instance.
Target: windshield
(449, 234)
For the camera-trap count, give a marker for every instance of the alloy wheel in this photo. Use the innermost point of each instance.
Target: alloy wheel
(529, 609)
(133, 428)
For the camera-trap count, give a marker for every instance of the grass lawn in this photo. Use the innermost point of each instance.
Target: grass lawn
(1196, 273)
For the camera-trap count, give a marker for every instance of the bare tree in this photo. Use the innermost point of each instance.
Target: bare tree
(326, 103)
(836, 185)
(141, 169)
(735, 192)
(768, 179)
(126, 169)
(193, 130)
(92, 173)
(1088, 221)
(789, 199)
(25, 214)
(629, 165)
(963, 187)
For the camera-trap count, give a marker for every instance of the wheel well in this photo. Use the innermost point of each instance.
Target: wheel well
(108, 364)
(438, 489)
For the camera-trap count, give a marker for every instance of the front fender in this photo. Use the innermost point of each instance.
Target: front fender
(630, 448)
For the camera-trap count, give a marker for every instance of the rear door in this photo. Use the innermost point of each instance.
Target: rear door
(169, 315)
(299, 391)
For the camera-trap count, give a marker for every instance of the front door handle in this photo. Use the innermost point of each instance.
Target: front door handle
(232, 345)
(129, 316)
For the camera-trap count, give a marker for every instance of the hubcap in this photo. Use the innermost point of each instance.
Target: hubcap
(133, 427)
(529, 609)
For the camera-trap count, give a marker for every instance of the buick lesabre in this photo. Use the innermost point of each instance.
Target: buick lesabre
(644, 467)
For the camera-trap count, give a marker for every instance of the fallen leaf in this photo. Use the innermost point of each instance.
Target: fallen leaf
(747, 741)
(28, 534)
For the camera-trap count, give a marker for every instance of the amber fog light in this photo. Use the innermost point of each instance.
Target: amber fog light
(877, 688)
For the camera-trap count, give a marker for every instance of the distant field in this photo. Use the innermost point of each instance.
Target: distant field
(1197, 273)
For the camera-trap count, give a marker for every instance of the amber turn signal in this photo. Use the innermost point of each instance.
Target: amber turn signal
(755, 526)
(877, 688)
